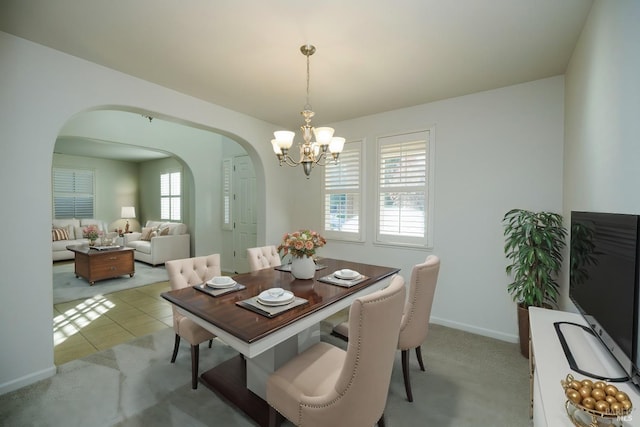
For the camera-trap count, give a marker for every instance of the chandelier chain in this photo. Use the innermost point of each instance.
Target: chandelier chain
(308, 104)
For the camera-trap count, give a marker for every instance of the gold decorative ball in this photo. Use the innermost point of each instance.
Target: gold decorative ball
(621, 395)
(589, 402)
(611, 390)
(576, 385)
(585, 391)
(602, 406)
(598, 394)
(574, 395)
(587, 383)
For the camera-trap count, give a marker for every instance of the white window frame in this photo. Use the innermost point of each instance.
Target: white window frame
(402, 239)
(227, 194)
(74, 190)
(353, 150)
(175, 199)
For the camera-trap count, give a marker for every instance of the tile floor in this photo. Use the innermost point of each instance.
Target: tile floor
(83, 327)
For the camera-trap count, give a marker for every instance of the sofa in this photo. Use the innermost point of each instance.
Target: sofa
(159, 242)
(65, 232)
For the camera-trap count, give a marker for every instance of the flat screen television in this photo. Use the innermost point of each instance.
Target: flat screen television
(604, 281)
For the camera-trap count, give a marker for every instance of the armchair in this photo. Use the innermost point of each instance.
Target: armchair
(263, 257)
(183, 273)
(327, 386)
(416, 316)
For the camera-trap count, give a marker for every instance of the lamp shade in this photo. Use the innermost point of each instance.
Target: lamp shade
(128, 212)
(284, 138)
(323, 135)
(336, 145)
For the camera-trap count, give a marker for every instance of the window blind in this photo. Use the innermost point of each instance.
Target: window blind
(73, 193)
(170, 196)
(402, 187)
(342, 190)
(227, 165)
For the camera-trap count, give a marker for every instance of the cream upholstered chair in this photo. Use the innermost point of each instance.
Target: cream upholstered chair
(415, 320)
(327, 386)
(263, 257)
(188, 272)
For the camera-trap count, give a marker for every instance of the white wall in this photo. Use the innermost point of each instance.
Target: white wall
(602, 143)
(40, 90)
(495, 151)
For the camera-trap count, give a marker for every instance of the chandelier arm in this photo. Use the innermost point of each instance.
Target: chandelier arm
(289, 161)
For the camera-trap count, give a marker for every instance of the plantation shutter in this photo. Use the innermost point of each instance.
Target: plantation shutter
(402, 187)
(342, 191)
(73, 193)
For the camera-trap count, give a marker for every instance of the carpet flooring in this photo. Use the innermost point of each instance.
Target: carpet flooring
(68, 287)
(470, 381)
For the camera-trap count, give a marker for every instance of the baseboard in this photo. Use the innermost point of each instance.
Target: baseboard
(27, 380)
(475, 330)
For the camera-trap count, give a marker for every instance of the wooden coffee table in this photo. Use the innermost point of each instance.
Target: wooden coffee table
(99, 264)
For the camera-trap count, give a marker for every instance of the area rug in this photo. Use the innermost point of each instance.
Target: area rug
(68, 287)
(470, 381)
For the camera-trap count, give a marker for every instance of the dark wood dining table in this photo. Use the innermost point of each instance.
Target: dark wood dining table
(266, 343)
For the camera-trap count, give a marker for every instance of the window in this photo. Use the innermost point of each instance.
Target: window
(227, 168)
(73, 193)
(170, 196)
(404, 180)
(342, 194)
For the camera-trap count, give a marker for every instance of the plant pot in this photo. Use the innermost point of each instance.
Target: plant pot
(303, 268)
(523, 329)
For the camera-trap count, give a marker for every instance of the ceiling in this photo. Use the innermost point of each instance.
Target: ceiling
(372, 55)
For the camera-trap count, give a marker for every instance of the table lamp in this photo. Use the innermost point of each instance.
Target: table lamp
(128, 212)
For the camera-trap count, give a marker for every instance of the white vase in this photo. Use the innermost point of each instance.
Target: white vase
(303, 268)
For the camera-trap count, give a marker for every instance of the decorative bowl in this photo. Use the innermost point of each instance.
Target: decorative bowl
(594, 403)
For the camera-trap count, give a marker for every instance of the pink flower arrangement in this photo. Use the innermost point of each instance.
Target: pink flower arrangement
(91, 232)
(301, 243)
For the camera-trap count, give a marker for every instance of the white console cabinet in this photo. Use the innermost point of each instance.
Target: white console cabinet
(549, 365)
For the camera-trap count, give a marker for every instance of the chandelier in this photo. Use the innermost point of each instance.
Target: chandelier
(312, 153)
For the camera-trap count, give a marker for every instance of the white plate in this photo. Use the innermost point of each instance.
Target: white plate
(347, 274)
(221, 282)
(267, 298)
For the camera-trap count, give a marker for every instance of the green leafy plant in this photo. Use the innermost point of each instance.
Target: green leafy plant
(534, 242)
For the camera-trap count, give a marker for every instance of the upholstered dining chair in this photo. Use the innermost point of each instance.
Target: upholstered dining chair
(263, 257)
(183, 273)
(415, 320)
(328, 386)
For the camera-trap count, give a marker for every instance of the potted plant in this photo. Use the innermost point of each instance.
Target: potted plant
(534, 243)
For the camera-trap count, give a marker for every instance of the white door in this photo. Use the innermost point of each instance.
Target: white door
(244, 212)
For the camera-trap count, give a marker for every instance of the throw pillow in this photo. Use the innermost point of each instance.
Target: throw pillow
(146, 233)
(164, 232)
(59, 234)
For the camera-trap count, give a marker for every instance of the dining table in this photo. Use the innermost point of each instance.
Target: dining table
(267, 337)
